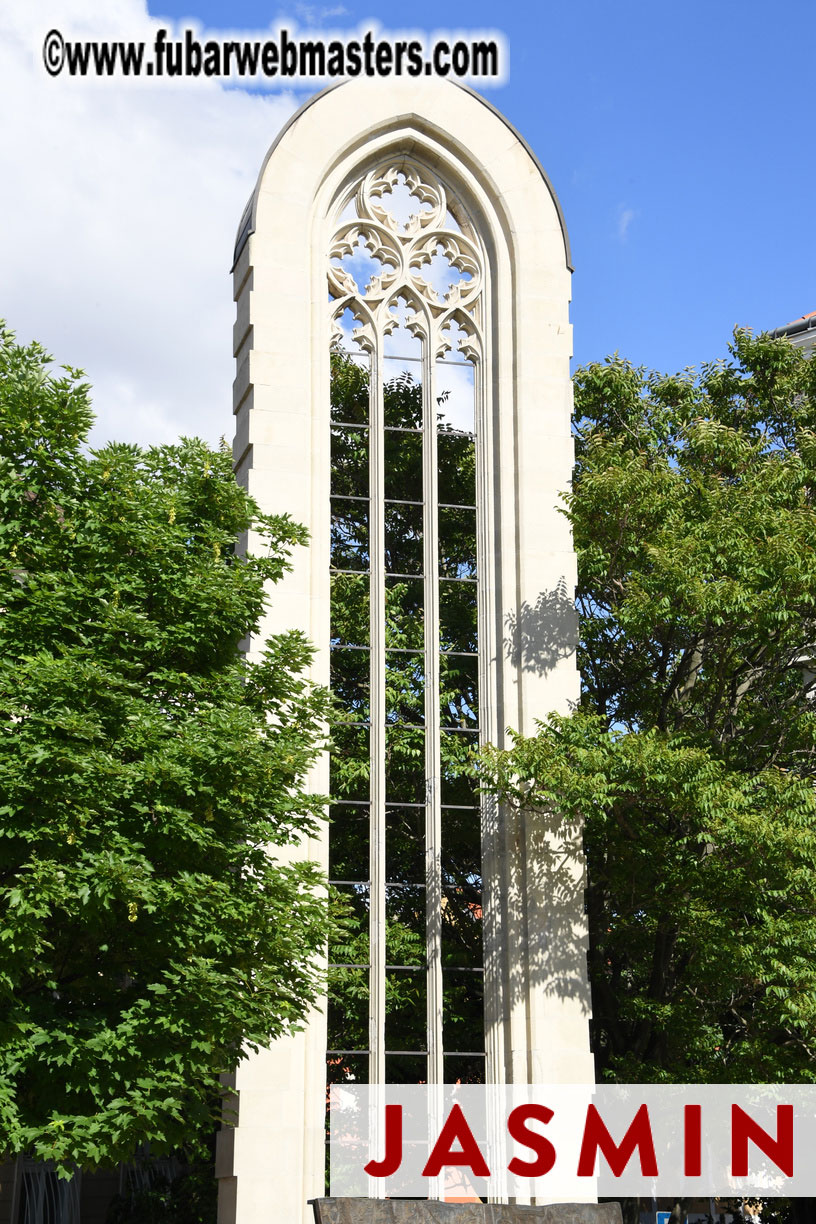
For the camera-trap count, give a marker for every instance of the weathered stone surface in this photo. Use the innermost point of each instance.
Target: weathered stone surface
(395, 1211)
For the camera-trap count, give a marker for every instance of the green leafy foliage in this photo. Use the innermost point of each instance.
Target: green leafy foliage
(691, 760)
(145, 769)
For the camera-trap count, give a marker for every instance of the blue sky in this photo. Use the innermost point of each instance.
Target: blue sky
(675, 137)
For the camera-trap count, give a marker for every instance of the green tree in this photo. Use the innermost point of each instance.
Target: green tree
(145, 769)
(691, 760)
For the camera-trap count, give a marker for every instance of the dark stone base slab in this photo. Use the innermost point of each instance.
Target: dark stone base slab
(396, 1211)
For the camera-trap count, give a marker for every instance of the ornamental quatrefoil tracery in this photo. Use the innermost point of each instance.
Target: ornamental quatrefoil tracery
(405, 242)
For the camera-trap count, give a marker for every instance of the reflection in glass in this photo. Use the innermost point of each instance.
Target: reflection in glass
(349, 941)
(406, 1069)
(462, 926)
(464, 1069)
(349, 765)
(404, 687)
(459, 691)
(344, 1068)
(459, 783)
(405, 993)
(405, 764)
(457, 469)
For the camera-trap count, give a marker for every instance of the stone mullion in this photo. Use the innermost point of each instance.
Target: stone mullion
(377, 746)
(433, 797)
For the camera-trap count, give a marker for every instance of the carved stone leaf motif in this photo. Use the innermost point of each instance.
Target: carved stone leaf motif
(364, 335)
(376, 187)
(457, 333)
(353, 242)
(454, 250)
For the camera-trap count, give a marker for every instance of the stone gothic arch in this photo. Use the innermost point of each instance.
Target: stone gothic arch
(482, 213)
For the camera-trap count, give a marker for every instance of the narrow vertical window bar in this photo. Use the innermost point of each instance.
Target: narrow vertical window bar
(377, 734)
(433, 781)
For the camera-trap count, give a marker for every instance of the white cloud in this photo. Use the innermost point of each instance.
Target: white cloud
(625, 218)
(119, 211)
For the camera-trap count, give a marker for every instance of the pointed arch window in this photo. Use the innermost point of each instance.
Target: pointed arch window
(407, 301)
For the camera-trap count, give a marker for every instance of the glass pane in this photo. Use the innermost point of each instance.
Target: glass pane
(349, 842)
(349, 680)
(349, 610)
(348, 941)
(403, 465)
(459, 788)
(405, 764)
(457, 469)
(405, 1009)
(462, 927)
(461, 847)
(457, 616)
(405, 924)
(349, 534)
(405, 613)
(349, 384)
(463, 1069)
(405, 845)
(405, 689)
(349, 763)
(459, 691)
(457, 543)
(455, 392)
(406, 1069)
(462, 1011)
(346, 1068)
(403, 539)
(347, 1011)
(349, 461)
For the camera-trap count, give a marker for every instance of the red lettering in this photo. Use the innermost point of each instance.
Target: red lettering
(597, 1138)
(392, 1159)
(692, 1140)
(780, 1150)
(518, 1130)
(456, 1130)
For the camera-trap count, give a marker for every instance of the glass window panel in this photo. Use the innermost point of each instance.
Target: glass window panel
(405, 764)
(405, 1009)
(464, 1069)
(405, 845)
(461, 846)
(348, 941)
(402, 393)
(350, 610)
(455, 394)
(349, 763)
(404, 688)
(462, 1011)
(403, 465)
(457, 542)
(457, 616)
(349, 680)
(459, 788)
(405, 924)
(349, 534)
(405, 613)
(462, 927)
(459, 691)
(349, 383)
(343, 1068)
(403, 539)
(456, 453)
(349, 836)
(347, 1010)
(349, 462)
(406, 1069)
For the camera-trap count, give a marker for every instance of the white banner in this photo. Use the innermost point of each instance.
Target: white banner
(574, 1142)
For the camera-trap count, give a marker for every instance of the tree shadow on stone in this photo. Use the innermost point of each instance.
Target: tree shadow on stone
(540, 634)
